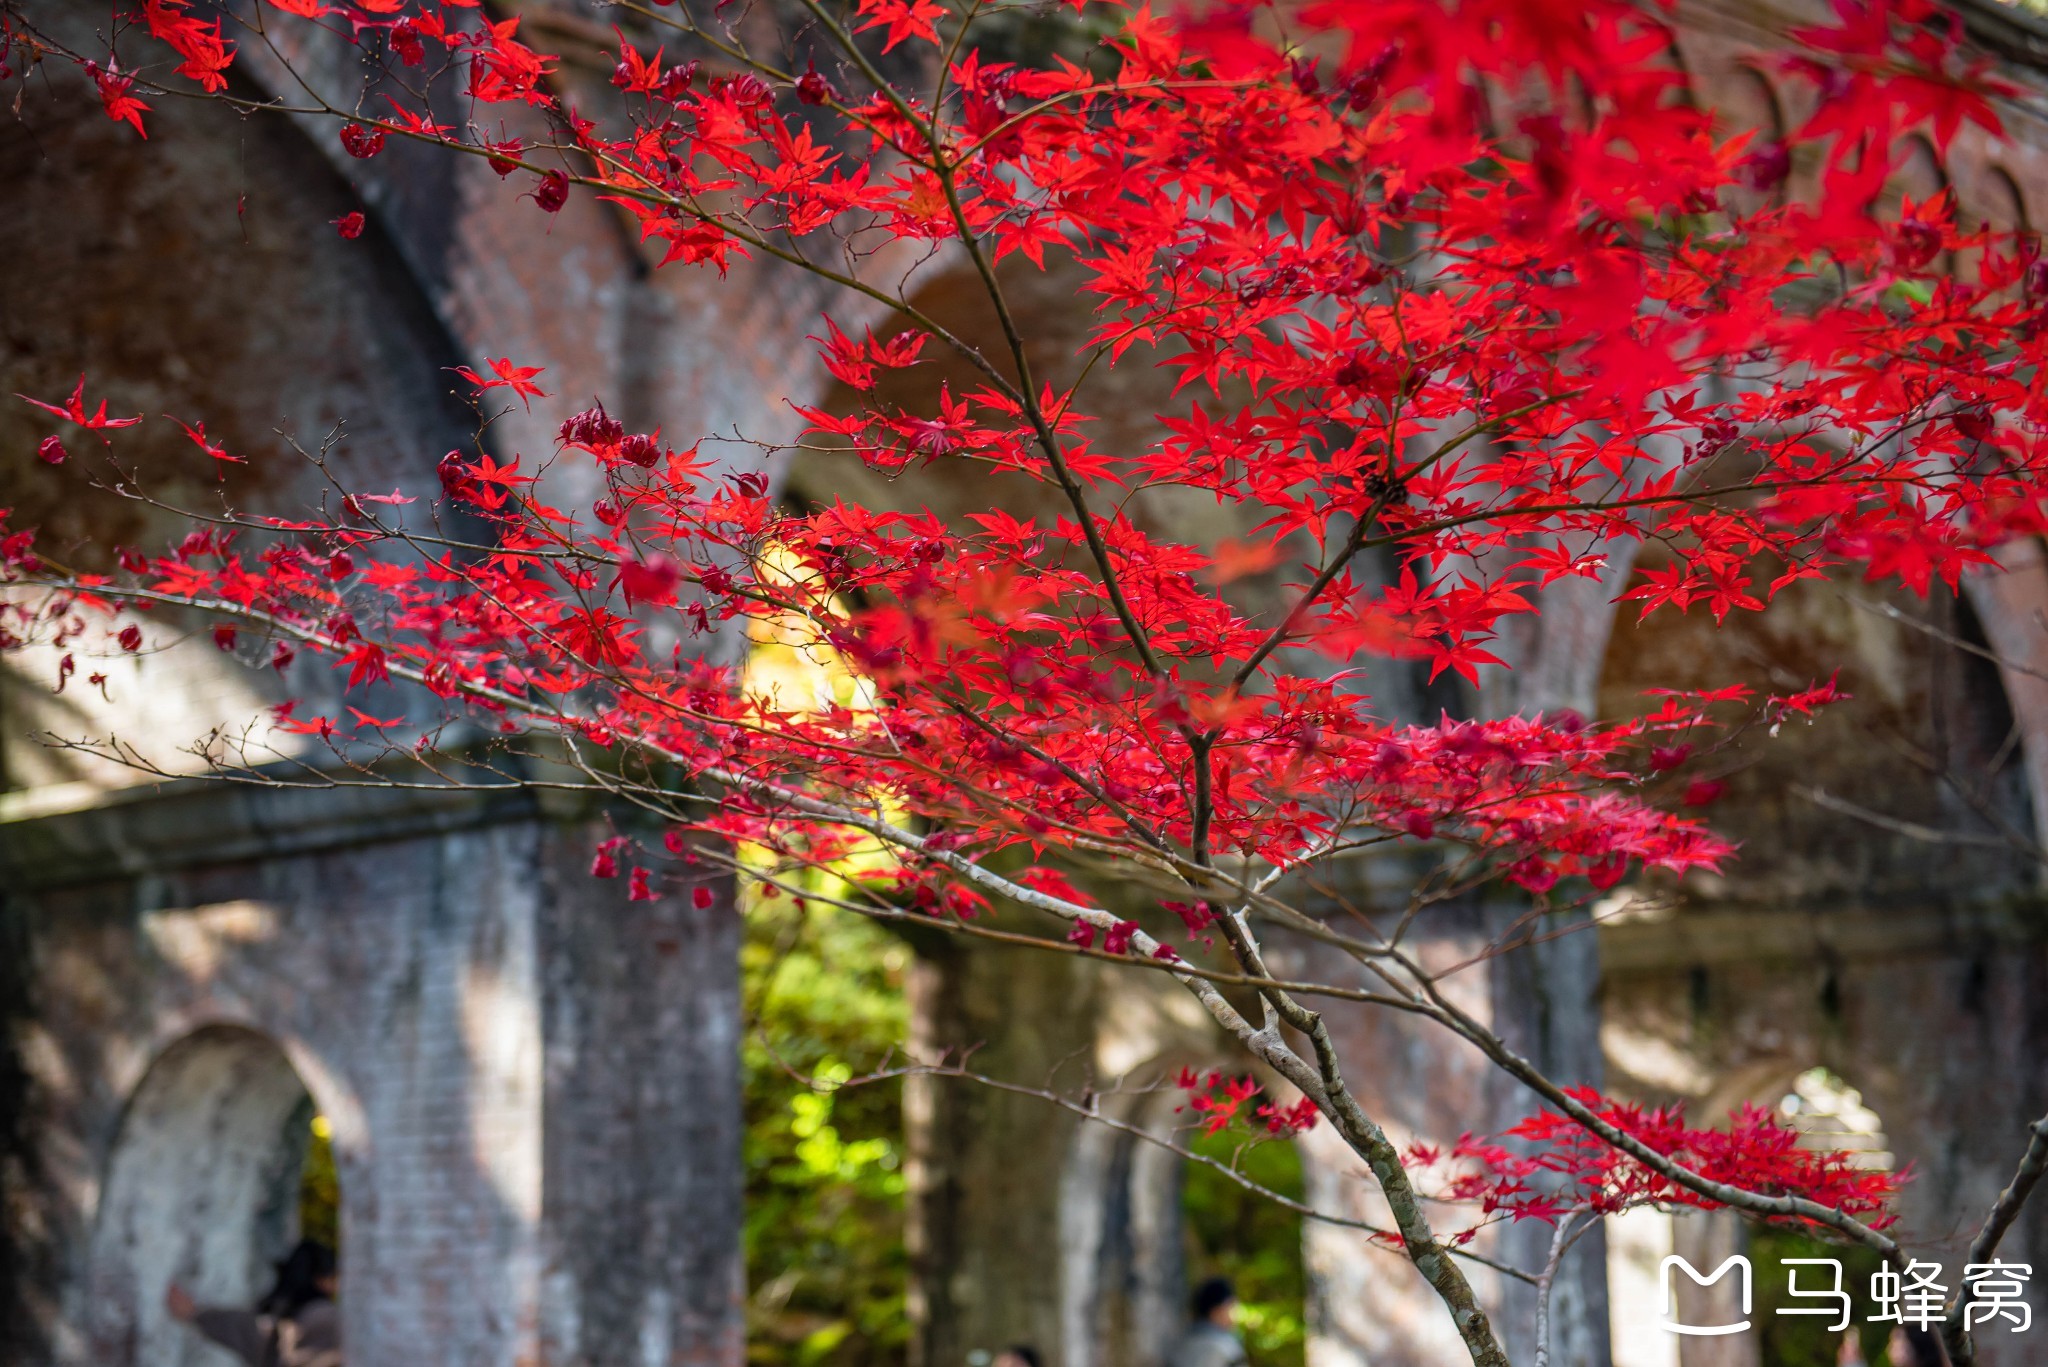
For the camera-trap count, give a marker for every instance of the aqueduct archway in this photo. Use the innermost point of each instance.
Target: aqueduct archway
(532, 1082)
(202, 1185)
(534, 1085)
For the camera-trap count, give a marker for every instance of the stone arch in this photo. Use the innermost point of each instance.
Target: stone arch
(1814, 1087)
(1685, 64)
(2011, 603)
(456, 265)
(1831, 1112)
(200, 1186)
(2002, 203)
(1833, 941)
(1751, 102)
(1989, 200)
(1120, 1215)
(1930, 1007)
(1805, 1093)
(1132, 1234)
(201, 278)
(1917, 172)
(1747, 102)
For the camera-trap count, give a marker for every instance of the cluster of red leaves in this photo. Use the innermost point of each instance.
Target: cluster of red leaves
(1552, 1166)
(1223, 1101)
(1583, 345)
(1466, 306)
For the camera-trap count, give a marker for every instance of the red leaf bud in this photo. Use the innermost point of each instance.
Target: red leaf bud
(640, 449)
(360, 142)
(405, 41)
(552, 192)
(1702, 792)
(813, 88)
(1915, 243)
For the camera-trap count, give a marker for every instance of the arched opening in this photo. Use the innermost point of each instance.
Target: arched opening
(2001, 204)
(1918, 176)
(1748, 103)
(1918, 172)
(1992, 202)
(1894, 797)
(1828, 1113)
(1143, 1226)
(211, 239)
(208, 1184)
(1254, 1241)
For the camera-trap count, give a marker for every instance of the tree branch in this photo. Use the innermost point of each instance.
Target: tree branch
(1962, 1350)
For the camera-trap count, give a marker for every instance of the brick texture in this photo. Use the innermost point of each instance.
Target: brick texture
(533, 1083)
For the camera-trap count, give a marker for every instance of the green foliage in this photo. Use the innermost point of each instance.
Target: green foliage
(1805, 1340)
(320, 1187)
(826, 1265)
(1246, 1237)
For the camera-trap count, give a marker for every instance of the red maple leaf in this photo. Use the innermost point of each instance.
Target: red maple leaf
(518, 378)
(74, 409)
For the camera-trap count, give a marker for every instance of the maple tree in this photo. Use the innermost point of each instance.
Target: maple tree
(1472, 291)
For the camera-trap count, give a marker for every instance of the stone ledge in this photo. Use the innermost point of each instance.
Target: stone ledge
(2012, 33)
(194, 822)
(1707, 939)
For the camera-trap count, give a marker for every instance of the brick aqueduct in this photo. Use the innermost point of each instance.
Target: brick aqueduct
(533, 1084)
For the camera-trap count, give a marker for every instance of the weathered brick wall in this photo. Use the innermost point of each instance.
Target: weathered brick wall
(533, 1083)
(641, 1124)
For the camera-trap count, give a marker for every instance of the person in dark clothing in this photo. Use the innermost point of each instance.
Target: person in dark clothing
(1211, 1339)
(296, 1325)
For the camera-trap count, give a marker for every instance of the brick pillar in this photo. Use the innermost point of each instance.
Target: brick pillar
(1368, 1307)
(641, 1176)
(986, 1167)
